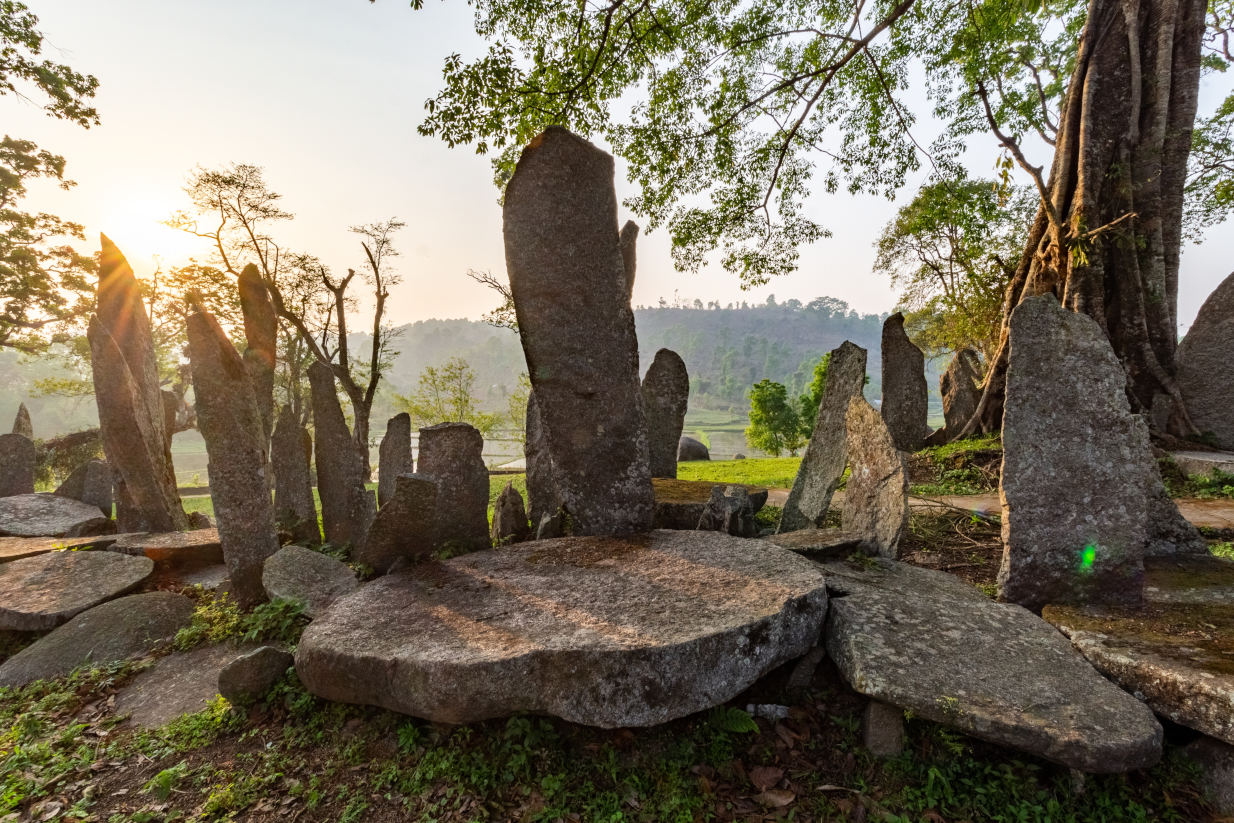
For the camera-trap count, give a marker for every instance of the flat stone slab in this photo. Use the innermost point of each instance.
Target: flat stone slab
(602, 631)
(120, 630)
(196, 547)
(680, 503)
(15, 548)
(1176, 653)
(927, 641)
(314, 579)
(1204, 462)
(180, 683)
(40, 593)
(46, 515)
(818, 543)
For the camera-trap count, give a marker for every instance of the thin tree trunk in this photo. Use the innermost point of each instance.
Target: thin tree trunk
(1106, 240)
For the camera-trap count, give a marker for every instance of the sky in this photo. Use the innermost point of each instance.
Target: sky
(326, 95)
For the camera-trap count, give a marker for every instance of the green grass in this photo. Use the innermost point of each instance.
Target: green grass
(774, 472)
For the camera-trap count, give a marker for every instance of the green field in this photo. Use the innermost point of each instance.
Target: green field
(773, 472)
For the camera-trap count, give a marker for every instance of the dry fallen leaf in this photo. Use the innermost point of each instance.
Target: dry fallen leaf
(776, 798)
(764, 777)
(786, 735)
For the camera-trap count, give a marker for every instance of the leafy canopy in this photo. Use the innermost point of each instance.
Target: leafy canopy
(447, 394)
(775, 426)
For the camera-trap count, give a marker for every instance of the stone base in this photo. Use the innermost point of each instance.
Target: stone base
(200, 547)
(818, 544)
(608, 632)
(680, 503)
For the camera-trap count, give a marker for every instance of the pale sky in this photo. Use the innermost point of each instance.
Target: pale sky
(326, 96)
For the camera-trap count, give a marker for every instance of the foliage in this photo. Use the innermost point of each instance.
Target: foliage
(768, 517)
(517, 408)
(20, 43)
(57, 458)
(775, 426)
(447, 394)
(1210, 172)
(773, 472)
(217, 619)
(1204, 486)
(1225, 550)
(951, 251)
(808, 404)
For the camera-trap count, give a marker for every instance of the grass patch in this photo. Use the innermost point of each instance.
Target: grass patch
(961, 468)
(773, 472)
(1225, 550)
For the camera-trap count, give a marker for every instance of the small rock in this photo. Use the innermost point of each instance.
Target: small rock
(690, 449)
(315, 579)
(666, 393)
(120, 630)
(882, 729)
(91, 483)
(178, 684)
(17, 459)
(22, 424)
(729, 511)
(1216, 762)
(251, 675)
(201, 520)
(739, 456)
(876, 497)
(405, 528)
(40, 593)
(509, 518)
(803, 671)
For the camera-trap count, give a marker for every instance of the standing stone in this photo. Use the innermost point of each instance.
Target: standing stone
(347, 507)
(629, 257)
(230, 423)
(91, 483)
(905, 393)
(690, 449)
(291, 449)
(542, 497)
(1205, 368)
(572, 297)
(261, 327)
(826, 454)
(450, 456)
(1075, 466)
(876, 497)
(509, 518)
(22, 424)
(312, 578)
(394, 456)
(729, 511)
(406, 527)
(17, 460)
(958, 388)
(666, 393)
(132, 420)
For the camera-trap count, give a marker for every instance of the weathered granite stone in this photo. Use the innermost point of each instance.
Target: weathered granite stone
(1160, 412)
(129, 518)
(201, 520)
(603, 631)
(1206, 370)
(313, 578)
(45, 515)
(15, 548)
(394, 456)
(180, 683)
(229, 421)
(1076, 465)
(1216, 762)
(542, 497)
(629, 255)
(680, 503)
(291, 449)
(729, 511)
(553, 526)
(666, 393)
(261, 325)
(197, 547)
(690, 449)
(22, 424)
(251, 675)
(909, 637)
(132, 420)
(567, 276)
(739, 456)
(17, 459)
(120, 630)
(510, 518)
(91, 483)
(1174, 658)
(1192, 463)
(818, 544)
(804, 669)
(958, 388)
(826, 455)
(406, 527)
(876, 497)
(905, 393)
(347, 506)
(451, 457)
(40, 593)
(882, 729)
(1192, 580)
(1167, 532)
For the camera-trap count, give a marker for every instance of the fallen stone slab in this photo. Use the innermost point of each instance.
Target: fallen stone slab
(680, 503)
(929, 642)
(180, 683)
(603, 631)
(1177, 658)
(1203, 463)
(40, 593)
(170, 578)
(818, 543)
(200, 547)
(15, 548)
(46, 515)
(1194, 580)
(313, 578)
(120, 630)
(251, 675)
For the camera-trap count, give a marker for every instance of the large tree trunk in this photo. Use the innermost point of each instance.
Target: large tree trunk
(1107, 242)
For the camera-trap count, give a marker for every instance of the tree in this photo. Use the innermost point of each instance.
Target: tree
(42, 283)
(447, 394)
(808, 403)
(1210, 174)
(517, 408)
(952, 251)
(775, 425)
